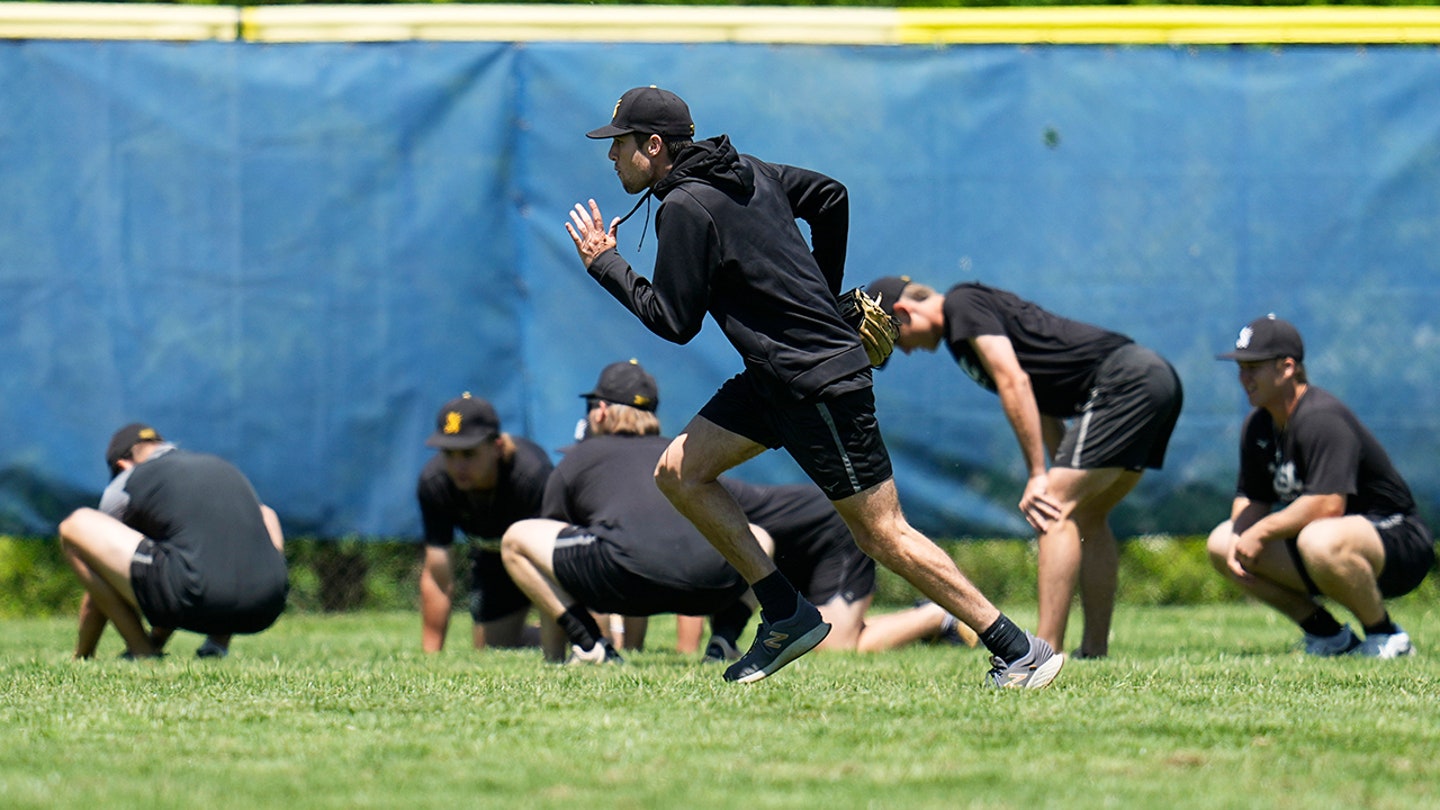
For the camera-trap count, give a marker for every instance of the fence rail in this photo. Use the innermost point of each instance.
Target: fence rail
(1175, 25)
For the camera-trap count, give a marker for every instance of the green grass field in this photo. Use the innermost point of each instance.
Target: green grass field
(1198, 707)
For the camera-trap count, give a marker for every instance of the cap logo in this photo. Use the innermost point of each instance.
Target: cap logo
(147, 435)
(616, 111)
(452, 423)
(1243, 342)
(641, 400)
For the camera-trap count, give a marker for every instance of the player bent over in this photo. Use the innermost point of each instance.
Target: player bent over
(180, 540)
(1102, 406)
(1346, 526)
(728, 244)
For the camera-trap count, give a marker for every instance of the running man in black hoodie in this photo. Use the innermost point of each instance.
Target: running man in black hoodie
(728, 245)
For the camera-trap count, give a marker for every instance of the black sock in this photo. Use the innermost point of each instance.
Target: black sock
(1383, 627)
(778, 598)
(730, 622)
(1321, 623)
(579, 627)
(1005, 639)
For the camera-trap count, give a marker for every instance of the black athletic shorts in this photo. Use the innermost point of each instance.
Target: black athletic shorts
(1409, 555)
(493, 594)
(171, 594)
(845, 572)
(587, 570)
(1129, 417)
(835, 440)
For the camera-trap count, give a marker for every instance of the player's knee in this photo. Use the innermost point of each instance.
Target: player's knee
(672, 482)
(1321, 546)
(667, 478)
(513, 543)
(1220, 541)
(74, 525)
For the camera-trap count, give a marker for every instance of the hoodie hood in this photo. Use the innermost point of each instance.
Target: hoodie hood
(713, 161)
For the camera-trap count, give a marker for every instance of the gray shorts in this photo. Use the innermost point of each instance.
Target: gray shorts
(1131, 413)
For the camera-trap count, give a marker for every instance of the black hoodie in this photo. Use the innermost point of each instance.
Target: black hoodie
(728, 244)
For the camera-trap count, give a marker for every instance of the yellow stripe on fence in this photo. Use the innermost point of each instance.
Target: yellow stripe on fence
(1171, 25)
(1164, 25)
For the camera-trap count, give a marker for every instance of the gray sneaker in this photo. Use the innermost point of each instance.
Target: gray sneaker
(1035, 670)
(1342, 643)
(1386, 645)
(777, 644)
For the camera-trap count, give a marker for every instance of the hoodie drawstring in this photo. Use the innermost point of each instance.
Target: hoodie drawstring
(644, 198)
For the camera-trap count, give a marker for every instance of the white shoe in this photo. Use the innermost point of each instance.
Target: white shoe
(1342, 643)
(601, 653)
(1035, 671)
(1386, 645)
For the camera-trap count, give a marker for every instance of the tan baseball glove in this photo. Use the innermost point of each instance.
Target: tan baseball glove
(878, 331)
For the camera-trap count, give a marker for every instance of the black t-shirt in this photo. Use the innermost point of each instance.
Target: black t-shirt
(1061, 356)
(802, 521)
(204, 511)
(607, 484)
(1324, 450)
(482, 516)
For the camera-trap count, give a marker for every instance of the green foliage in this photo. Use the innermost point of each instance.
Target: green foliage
(1197, 708)
(342, 575)
(1154, 570)
(35, 580)
(354, 574)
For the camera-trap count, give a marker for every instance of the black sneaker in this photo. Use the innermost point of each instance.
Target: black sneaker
(777, 644)
(1035, 670)
(211, 649)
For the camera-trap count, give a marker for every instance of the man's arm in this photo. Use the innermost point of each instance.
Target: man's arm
(1288, 522)
(824, 204)
(1245, 512)
(1017, 399)
(437, 589)
(674, 305)
(1268, 527)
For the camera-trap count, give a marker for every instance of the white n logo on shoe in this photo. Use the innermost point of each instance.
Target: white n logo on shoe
(1016, 678)
(776, 640)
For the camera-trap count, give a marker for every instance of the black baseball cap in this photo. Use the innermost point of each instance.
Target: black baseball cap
(463, 423)
(125, 440)
(627, 383)
(648, 110)
(887, 290)
(1267, 338)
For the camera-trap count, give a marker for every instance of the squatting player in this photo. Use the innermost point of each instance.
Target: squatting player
(181, 540)
(609, 541)
(727, 243)
(1346, 526)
